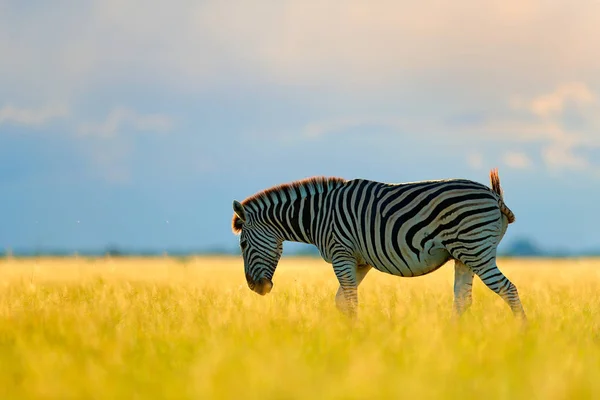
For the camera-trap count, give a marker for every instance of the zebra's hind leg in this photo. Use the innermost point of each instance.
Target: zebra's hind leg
(463, 288)
(361, 272)
(497, 282)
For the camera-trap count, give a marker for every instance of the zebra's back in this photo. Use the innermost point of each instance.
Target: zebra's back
(411, 229)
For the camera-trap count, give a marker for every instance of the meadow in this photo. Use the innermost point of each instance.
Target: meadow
(154, 328)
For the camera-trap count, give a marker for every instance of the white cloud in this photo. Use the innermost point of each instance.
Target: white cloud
(475, 161)
(107, 145)
(517, 160)
(110, 159)
(340, 43)
(551, 105)
(541, 119)
(557, 157)
(554, 103)
(381, 43)
(547, 122)
(122, 119)
(562, 139)
(30, 116)
(414, 62)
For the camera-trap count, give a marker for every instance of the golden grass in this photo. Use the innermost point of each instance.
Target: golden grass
(168, 328)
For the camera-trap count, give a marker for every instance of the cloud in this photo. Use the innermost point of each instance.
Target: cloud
(110, 160)
(415, 63)
(385, 43)
(560, 123)
(564, 138)
(559, 157)
(517, 160)
(108, 146)
(125, 119)
(342, 44)
(32, 117)
(475, 161)
(554, 103)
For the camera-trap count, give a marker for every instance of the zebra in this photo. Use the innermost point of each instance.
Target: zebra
(403, 229)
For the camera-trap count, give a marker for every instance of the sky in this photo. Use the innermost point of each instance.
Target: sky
(136, 123)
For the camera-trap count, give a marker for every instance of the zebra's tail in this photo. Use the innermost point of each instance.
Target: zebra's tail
(495, 180)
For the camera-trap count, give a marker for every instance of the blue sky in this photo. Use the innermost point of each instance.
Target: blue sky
(134, 125)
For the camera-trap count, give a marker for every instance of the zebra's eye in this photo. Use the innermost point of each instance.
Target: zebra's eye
(243, 244)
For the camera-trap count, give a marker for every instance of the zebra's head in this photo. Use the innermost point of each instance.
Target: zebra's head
(261, 249)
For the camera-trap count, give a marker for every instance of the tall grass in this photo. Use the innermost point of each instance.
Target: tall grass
(168, 328)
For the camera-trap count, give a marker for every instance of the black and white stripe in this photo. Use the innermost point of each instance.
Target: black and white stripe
(408, 229)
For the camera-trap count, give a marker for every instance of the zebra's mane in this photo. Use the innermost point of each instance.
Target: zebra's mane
(312, 185)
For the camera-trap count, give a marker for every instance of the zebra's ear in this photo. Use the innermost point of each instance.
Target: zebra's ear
(238, 209)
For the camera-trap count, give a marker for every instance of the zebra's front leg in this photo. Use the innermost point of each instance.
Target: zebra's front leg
(345, 268)
(340, 300)
(463, 288)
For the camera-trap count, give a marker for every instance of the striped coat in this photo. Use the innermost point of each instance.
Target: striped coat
(408, 229)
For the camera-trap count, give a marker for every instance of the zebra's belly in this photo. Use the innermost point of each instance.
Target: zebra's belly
(431, 261)
(425, 263)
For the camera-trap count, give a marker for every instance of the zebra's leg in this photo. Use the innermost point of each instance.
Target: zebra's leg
(463, 288)
(345, 268)
(497, 282)
(361, 272)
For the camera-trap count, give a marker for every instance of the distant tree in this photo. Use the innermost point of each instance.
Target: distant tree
(114, 251)
(523, 247)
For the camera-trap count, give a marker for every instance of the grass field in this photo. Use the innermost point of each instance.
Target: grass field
(191, 328)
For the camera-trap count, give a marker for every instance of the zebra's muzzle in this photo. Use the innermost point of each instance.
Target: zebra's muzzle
(263, 286)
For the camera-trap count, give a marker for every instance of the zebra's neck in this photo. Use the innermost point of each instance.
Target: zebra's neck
(291, 211)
